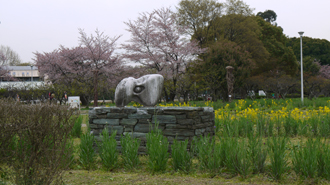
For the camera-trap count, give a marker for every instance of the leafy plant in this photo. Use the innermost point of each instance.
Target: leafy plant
(37, 145)
(129, 151)
(108, 149)
(157, 147)
(304, 159)
(258, 154)
(278, 157)
(237, 157)
(181, 157)
(87, 153)
(76, 130)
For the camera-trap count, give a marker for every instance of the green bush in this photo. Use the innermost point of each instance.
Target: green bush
(181, 157)
(39, 149)
(237, 157)
(87, 153)
(304, 159)
(76, 130)
(257, 153)
(157, 149)
(129, 151)
(278, 157)
(108, 149)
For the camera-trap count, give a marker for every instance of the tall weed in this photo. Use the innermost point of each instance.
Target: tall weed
(181, 157)
(87, 155)
(129, 151)
(76, 130)
(157, 149)
(108, 149)
(258, 153)
(278, 157)
(237, 157)
(304, 159)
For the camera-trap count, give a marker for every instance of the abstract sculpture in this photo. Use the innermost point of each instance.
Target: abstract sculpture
(145, 90)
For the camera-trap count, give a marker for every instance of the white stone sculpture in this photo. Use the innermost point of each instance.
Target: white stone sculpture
(145, 90)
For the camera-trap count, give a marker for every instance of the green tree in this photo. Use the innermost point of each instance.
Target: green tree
(268, 15)
(212, 71)
(199, 16)
(318, 49)
(238, 7)
(311, 67)
(281, 57)
(245, 32)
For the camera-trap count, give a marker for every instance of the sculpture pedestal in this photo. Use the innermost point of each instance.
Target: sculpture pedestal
(175, 122)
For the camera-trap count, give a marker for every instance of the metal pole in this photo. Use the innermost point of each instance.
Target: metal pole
(301, 69)
(31, 74)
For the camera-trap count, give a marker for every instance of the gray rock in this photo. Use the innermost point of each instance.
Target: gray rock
(205, 118)
(146, 127)
(102, 110)
(127, 110)
(164, 119)
(128, 121)
(145, 90)
(144, 121)
(120, 129)
(208, 109)
(139, 116)
(106, 121)
(183, 116)
(177, 126)
(116, 115)
(178, 132)
(185, 121)
(199, 131)
(136, 134)
(128, 128)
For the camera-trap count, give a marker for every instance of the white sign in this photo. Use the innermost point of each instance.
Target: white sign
(74, 101)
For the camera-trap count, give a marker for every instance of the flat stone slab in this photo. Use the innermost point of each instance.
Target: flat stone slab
(128, 121)
(164, 119)
(106, 121)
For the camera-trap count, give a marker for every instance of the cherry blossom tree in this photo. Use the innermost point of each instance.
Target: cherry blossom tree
(158, 42)
(83, 66)
(325, 71)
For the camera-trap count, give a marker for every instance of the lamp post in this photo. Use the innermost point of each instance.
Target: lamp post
(301, 68)
(31, 74)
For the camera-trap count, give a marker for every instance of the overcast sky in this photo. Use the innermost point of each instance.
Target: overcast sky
(28, 26)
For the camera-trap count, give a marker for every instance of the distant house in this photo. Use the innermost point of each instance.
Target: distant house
(22, 76)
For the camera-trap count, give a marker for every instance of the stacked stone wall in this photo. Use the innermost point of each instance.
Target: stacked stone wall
(175, 122)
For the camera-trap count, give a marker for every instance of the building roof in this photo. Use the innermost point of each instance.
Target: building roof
(20, 68)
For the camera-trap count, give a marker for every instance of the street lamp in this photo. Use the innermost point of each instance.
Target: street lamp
(31, 74)
(301, 68)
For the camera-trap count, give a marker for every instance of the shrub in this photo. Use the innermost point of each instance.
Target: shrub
(157, 147)
(278, 157)
(39, 150)
(181, 157)
(76, 130)
(108, 149)
(237, 157)
(129, 151)
(87, 152)
(258, 154)
(304, 159)
(211, 155)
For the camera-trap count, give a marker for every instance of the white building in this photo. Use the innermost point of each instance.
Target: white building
(25, 76)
